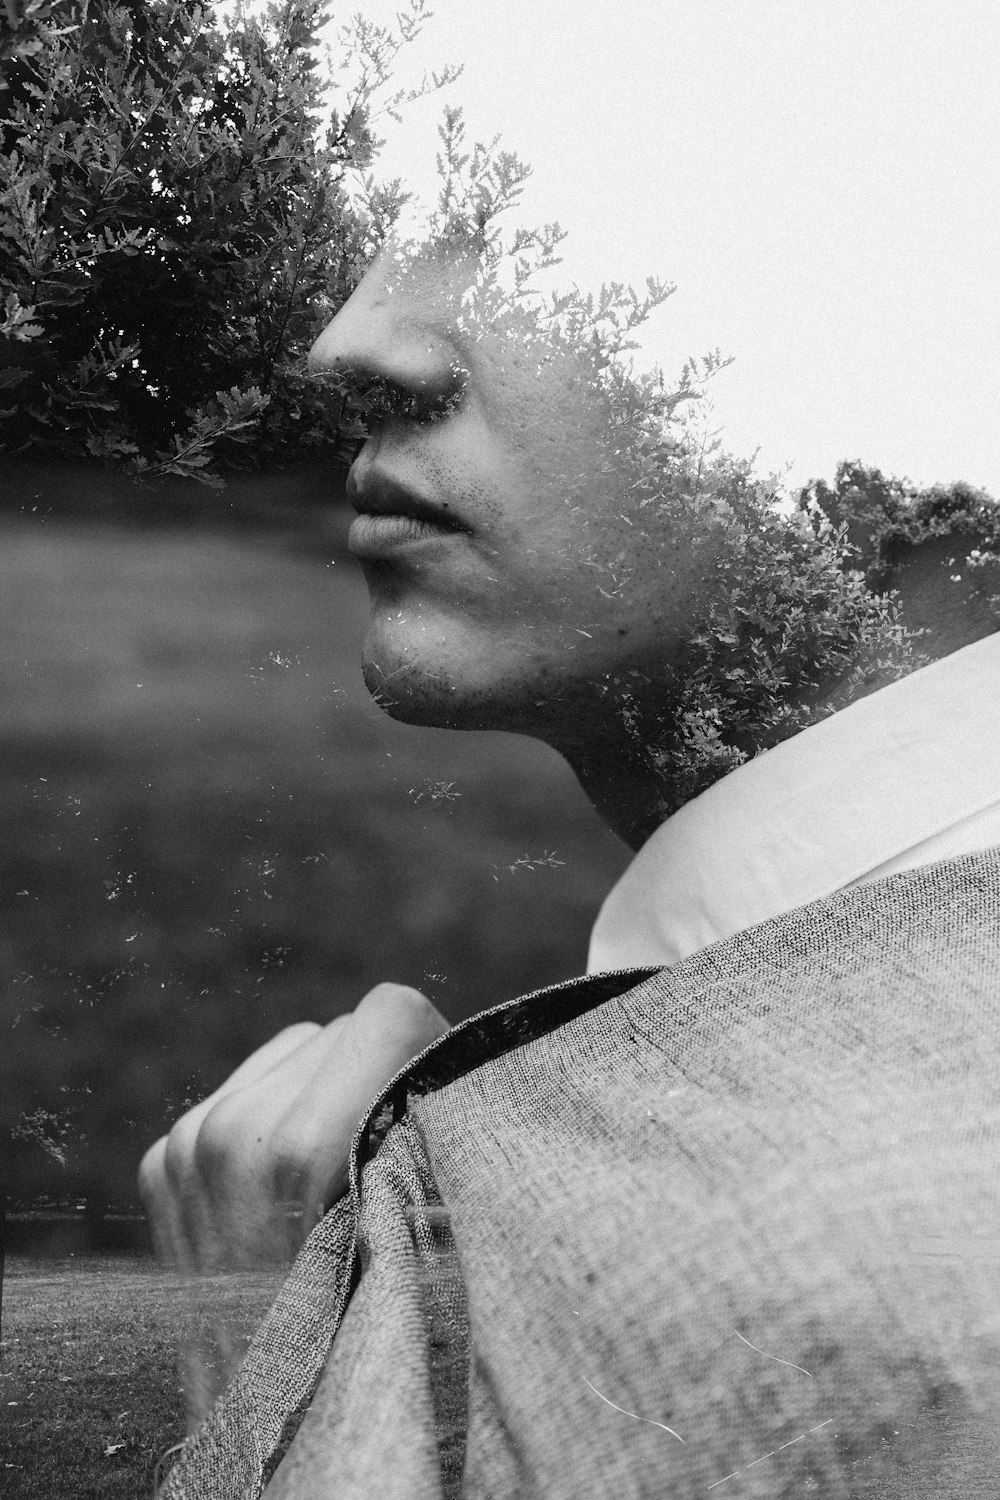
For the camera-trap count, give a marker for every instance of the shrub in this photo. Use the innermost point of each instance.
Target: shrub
(176, 226)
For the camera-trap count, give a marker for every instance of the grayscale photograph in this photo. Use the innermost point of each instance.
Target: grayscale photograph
(499, 750)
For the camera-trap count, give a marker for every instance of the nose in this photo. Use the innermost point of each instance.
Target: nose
(397, 327)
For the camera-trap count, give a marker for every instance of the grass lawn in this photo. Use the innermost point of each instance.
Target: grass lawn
(90, 1395)
(89, 1390)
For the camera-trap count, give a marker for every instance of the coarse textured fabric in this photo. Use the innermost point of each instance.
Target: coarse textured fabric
(384, 1433)
(734, 1228)
(247, 1427)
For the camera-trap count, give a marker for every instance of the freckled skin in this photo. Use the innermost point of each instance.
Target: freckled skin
(557, 597)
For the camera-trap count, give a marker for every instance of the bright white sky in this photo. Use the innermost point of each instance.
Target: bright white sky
(821, 181)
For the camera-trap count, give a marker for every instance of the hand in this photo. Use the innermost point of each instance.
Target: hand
(243, 1176)
(240, 1180)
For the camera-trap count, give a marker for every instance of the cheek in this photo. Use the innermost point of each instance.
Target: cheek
(524, 475)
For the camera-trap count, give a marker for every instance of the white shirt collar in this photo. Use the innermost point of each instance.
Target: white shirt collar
(905, 776)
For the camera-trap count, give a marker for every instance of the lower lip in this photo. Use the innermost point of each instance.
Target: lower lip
(376, 536)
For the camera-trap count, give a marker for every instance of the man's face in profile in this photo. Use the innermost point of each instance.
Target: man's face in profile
(511, 569)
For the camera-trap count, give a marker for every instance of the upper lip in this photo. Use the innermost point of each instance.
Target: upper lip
(378, 494)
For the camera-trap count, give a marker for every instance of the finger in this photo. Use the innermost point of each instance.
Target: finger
(162, 1207)
(281, 1143)
(392, 1024)
(182, 1138)
(287, 1136)
(235, 1178)
(272, 1052)
(387, 1030)
(266, 1093)
(187, 1227)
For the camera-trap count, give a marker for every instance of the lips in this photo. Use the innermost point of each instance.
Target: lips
(391, 516)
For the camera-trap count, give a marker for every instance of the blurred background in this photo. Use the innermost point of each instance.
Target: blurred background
(209, 830)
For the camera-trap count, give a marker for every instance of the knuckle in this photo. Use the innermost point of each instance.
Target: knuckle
(309, 1156)
(178, 1150)
(218, 1141)
(292, 1152)
(303, 1136)
(401, 1003)
(299, 1031)
(150, 1177)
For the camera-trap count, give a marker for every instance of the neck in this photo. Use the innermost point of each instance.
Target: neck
(636, 768)
(616, 760)
(627, 797)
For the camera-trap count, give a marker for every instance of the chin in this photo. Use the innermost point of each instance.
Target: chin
(413, 694)
(439, 695)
